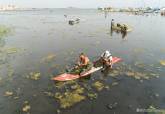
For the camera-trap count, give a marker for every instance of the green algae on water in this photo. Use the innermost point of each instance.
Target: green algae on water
(34, 75)
(11, 50)
(98, 85)
(26, 107)
(8, 93)
(114, 73)
(4, 31)
(115, 83)
(141, 75)
(92, 95)
(70, 98)
(61, 85)
(162, 62)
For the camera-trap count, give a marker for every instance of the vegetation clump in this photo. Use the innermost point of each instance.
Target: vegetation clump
(141, 75)
(70, 98)
(34, 75)
(4, 31)
(98, 85)
(26, 107)
(8, 93)
(92, 95)
(162, 62)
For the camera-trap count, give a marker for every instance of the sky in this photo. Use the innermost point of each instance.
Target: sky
(83, 3)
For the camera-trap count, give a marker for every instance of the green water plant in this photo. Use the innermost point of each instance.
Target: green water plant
(162, 62)
(4, 31)
(98, 85)
(70, 98)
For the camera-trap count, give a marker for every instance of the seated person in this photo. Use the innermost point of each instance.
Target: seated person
(106, 59)
(82, 65)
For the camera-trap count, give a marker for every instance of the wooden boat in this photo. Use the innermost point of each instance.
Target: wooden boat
(121, 28)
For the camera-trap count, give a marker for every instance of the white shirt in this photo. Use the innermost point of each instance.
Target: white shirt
(106, 55)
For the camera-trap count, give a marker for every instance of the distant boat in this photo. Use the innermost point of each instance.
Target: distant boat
(72, 22)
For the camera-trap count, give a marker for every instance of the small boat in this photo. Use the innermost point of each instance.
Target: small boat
(69, 76)
(72, 22)
(121, 28)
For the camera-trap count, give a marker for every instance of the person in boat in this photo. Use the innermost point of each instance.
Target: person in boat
(83, 60)
(112, 23)
(124, 28)
(118, 25)
(106, 59)
(83, 64)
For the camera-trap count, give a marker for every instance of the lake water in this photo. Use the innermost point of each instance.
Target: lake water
(39, 34)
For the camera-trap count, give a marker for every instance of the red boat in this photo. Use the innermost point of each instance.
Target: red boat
(67, 76)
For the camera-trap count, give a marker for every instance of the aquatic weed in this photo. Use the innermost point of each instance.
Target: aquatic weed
(70, 98)
(4, 31)
(92, 95)
(162, 62)
(98, 85)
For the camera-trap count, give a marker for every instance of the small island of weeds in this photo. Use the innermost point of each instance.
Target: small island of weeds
(4, 31)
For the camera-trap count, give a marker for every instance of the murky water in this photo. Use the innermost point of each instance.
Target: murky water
(46, 43)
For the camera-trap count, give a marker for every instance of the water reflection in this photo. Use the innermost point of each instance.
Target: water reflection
(105, 14)
(123, 33)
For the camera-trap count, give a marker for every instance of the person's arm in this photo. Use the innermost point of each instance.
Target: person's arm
(102, 55)
(79, 62)
(111, 60)
(85, 62)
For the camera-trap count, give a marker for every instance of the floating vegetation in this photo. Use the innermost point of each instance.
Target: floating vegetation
(153, 110)
(48, 58)
(76, 86)
(5, 52)
(49, 94)
(138, 50)
(140, 75)
(8, 93)
(68, 99)
(107, 87)
(4, 31)
(162, 62)
(16, 97)
(92, 95)
(137, 75)
(26, 107)
(87, 87)
(115, 83)
(114, 73)
(60, 85)
(139, 64)
(34, 75)
(98, 85)
(129, 73)
(11, 50)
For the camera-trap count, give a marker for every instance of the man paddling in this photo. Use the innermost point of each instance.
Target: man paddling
(106, 59)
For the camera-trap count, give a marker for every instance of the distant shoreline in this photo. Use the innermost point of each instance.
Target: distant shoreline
(32, 9)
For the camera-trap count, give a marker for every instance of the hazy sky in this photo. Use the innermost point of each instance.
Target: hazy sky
(83, 3)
